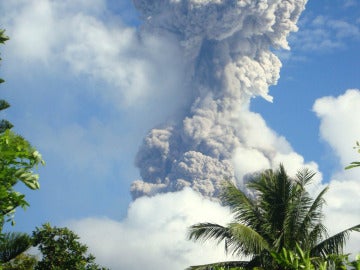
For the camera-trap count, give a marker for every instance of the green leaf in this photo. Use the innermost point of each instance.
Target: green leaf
(32, 183)
(353, 165)
(17, 158)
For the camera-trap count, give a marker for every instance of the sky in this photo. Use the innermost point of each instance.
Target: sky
(88, 81)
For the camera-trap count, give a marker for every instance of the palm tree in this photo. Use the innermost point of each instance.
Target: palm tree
(13, 244)
(279, 213)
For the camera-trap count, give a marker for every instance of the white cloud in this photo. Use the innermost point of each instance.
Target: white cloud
(87, 40)
(32, 31)
(350, 3)
(339, 123)
(153, 235)
(324, 34)
(90, 74)
(340, 129)
(344, 29)
(135, 66)
(343, 208)
(249, 161)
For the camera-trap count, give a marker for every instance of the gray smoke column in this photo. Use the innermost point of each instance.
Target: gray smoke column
(228, 47)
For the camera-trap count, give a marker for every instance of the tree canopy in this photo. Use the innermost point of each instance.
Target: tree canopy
(61, 249)
(277, 213)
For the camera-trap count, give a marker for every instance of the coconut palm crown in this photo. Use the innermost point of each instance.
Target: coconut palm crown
(13, 244)
(278, 213)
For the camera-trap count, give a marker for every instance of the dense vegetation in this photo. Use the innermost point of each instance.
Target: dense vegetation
(61, 249)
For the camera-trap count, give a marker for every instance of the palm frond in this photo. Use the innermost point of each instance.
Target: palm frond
(243, 207)
(297, 207)
(305, 176)
(314, 213)
(245, 240)
(274, 194)
(226, 265)
(353, 165)
(13, 244)
(313, 237)
(238, 238)
(206, 231)
(334, 244)
(311, 229)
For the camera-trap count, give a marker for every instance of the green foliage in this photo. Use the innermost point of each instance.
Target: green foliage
(12, 248)
(235, 265)
(226, 268)
(279, 215)
(21, 262)
(354, 163)
(17, 160)
(3, 37)
(4, 124)
(61, 249)
(301, 260)
(13, 244)
(297, 260)
(355, 264)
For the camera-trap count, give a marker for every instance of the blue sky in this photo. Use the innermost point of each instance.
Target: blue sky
(88, 112)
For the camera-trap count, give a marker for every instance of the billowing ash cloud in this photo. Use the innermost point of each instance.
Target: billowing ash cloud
(227, 46)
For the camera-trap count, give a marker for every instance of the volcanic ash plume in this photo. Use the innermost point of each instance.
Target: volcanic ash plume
(227, 46)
